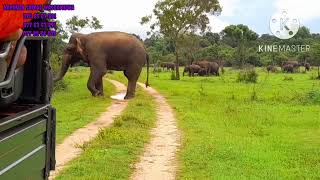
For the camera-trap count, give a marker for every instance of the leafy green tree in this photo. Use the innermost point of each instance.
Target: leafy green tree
(212, 38)
(57, 43)
(303, 33)
(242, 36)
(315, 52)
(174, 18)
(76, 24)
(190, 45)
(57, 46)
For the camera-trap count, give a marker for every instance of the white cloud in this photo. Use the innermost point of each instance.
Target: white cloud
(306, 10)
(217, 25)
(125, 15)
(115, 15)
(229, 7)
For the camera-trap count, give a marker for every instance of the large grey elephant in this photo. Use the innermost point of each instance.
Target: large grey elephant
(106, 51)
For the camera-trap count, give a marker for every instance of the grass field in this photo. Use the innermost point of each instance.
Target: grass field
(75, 105)
(231, 130)
(112, 154)
(268, 130)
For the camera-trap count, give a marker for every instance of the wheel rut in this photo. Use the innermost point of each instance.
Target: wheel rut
(159, 161)
(69, 149)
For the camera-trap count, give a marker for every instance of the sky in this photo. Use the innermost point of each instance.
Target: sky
(125, 15)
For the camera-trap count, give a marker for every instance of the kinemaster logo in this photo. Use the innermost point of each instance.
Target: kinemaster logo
(284, 25)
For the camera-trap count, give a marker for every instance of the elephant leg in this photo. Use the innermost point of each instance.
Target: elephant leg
(99, 85)
(93, 79)
(132, 76)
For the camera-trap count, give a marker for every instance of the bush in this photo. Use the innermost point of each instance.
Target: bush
(313, 96)
(248, 76)
(55, 63)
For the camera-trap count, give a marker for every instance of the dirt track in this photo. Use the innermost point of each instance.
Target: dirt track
(159, 158)
(69, 149)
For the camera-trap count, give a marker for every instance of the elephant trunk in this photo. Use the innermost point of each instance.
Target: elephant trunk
(64, 68)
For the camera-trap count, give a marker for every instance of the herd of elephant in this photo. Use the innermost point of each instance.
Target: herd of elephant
(290, 67)
(202, 68)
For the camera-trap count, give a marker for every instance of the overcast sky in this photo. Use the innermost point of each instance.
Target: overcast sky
(125, 15)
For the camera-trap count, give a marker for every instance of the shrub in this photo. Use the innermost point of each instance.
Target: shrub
(313, 96)
(55, 63)
(248, 76)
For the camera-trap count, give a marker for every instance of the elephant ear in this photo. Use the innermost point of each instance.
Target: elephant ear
(79, 47)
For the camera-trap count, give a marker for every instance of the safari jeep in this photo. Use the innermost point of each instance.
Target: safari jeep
(27, 120)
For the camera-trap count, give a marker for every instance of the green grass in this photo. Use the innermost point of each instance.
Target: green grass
(112, 154)
(231, 130)
(75, 105)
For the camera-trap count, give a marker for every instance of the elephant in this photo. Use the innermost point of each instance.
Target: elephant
(289, 68)
(271, 68)
(307, 66)
(214, 68)
(295, 64)
(202, 72)
(171, 66)
(163, 66)
(104, 51)
(191, 69)
(205, 65)
(168, 66)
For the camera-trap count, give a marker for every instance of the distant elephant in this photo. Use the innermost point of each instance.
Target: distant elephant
(171, 66)
(271, 68)
(106, 51)
(214, 68)
(205, 65)
(191, 69)
(307, 66)
(163, 66)
(289, 68)
(202, 72)
(295, 64)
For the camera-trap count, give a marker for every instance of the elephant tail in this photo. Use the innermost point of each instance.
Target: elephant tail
(148, 66)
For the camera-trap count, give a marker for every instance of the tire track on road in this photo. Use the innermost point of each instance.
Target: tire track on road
(159, 160)
(69, 149)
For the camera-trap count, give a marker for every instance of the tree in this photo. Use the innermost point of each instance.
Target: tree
(57, 46)
(75, 24)
(174, 18)
(303, 33)
(190, 45)
(213, 38)
(57, 43)
(241, 36)
(316, 56)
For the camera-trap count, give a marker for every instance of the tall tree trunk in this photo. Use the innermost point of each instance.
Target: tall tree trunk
(177, 65)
